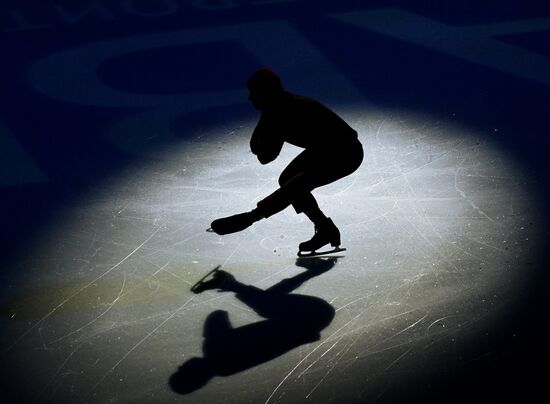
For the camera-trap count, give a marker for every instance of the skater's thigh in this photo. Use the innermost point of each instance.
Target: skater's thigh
(312, 169)
(332, 166)
(295, 168)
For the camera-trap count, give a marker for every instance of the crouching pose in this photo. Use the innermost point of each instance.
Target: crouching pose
(331, 151)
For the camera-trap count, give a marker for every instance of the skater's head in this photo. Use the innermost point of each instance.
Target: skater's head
(264, 86)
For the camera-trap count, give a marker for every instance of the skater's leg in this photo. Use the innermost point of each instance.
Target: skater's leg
(290, 191)
(294, 172)
(303, 202)
(309, 170)
(314, 213)
(325, 230)
(295, 188)
(262, 302)
(296, 191)
(235, 223)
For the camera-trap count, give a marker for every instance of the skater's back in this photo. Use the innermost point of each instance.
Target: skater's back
(302, 122)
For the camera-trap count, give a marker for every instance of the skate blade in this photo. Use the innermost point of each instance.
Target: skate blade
(209, 230)
(302, 254)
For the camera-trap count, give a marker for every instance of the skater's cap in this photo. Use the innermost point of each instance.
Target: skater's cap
(266, 81)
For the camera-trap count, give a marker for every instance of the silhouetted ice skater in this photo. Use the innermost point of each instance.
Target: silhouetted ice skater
(332, 151)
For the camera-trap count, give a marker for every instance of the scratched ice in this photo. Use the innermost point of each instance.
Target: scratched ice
(438, 222)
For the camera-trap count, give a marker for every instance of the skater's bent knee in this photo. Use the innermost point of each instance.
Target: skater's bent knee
(285, 180)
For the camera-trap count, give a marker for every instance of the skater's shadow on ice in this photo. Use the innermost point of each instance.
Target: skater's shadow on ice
(291, 320)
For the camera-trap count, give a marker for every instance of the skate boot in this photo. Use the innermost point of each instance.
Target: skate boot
(233, 224)
(326, 232)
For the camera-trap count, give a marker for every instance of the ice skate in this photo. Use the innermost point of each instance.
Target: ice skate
(325, 233)
(232, 224)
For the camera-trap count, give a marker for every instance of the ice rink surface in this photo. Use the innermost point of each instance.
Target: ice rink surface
(112, 176)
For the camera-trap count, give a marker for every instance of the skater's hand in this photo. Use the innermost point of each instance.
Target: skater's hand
(265, 144)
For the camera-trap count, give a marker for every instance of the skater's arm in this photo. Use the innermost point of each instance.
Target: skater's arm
(265, 143)
(267, 156)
